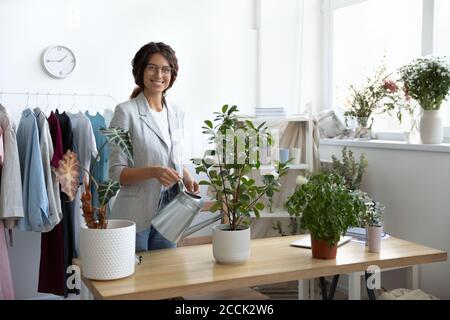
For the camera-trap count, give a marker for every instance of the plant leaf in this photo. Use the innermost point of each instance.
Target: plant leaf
(120, 138)
(68, 174)
(107, 190)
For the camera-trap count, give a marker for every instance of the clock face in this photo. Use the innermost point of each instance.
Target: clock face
(58, 61)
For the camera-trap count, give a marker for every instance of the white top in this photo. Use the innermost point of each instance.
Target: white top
(11, 205)
(163, 124)
(85, 148)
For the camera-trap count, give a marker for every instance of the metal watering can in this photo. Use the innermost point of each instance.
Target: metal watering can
(174, 220)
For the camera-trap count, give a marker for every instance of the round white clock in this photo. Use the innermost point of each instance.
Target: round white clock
(58, 61)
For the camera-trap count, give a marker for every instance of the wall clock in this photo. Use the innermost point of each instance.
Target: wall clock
(58, 61)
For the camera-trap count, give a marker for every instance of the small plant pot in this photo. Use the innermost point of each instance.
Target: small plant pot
(231, 246)
(322, 250)
(374, 238)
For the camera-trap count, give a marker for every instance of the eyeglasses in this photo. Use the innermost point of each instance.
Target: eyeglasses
(153, 68)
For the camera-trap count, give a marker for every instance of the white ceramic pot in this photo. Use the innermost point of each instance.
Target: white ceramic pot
(108, 254)
(231, 247)
(374, 238)
(431, 127)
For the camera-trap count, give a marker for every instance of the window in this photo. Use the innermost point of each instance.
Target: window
(442, 45)
(364, 32)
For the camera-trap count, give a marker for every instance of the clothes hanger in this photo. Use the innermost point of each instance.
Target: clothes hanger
(46, 107)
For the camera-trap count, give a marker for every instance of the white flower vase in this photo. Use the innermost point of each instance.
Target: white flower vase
(431, 127)
(108, 254)
(231, 246)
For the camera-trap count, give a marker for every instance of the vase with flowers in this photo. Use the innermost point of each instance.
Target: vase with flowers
(427, 81)
(364, 102)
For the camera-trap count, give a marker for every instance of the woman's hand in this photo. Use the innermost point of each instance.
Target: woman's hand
(190, 184)
(166, 176)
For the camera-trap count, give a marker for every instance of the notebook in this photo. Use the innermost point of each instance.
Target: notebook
(306, 242)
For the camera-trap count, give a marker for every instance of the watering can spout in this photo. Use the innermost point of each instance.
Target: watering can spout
(173, 221)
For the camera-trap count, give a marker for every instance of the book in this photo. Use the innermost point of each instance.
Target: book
(306, 242)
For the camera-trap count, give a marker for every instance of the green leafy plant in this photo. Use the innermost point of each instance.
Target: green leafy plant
(373, 215)
(68, 173)
(325, 206)
(349, 169)
(233, 155)
(271, 180)
(427, 80)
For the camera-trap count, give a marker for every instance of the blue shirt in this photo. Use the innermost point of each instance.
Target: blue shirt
(34, 192)
(101, 168)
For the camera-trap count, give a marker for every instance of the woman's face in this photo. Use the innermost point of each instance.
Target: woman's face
(157, 74)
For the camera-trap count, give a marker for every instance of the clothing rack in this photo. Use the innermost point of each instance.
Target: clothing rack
(59, 95)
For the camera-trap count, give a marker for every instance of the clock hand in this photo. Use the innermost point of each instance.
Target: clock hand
(48, 60)
(62, 58)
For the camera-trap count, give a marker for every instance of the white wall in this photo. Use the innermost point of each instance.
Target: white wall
(413, 186)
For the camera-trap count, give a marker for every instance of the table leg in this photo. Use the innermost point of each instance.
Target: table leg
(412, 277)
(303, 289)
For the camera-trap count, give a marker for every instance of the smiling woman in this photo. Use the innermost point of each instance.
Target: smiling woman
(156, 128)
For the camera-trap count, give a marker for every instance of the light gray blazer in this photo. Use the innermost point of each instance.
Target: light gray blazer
(139, 202)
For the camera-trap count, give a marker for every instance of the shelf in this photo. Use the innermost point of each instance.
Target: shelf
(301, 166)
(276, 214)
(292, 118)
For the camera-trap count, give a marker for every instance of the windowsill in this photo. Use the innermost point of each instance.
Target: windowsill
(387, 144)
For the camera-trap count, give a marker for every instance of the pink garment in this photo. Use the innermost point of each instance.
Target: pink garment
(6, 285)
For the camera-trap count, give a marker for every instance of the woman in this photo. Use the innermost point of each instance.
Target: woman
(155, 128)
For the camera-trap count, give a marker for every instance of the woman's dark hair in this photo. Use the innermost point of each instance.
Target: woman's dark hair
(140, 61)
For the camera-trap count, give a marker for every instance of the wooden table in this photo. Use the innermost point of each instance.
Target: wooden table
(193, 270)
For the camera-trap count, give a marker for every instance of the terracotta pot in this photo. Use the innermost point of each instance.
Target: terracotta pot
(322, 250)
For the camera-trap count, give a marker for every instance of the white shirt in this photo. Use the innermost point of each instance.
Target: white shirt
(163, 124)
(85, 148)
(11, 205)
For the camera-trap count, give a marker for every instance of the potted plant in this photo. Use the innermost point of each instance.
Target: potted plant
(234, 154)
(427, 80)
(349, 169)
(107, 247)
(327, 209)
(372, 218)
(368, 100)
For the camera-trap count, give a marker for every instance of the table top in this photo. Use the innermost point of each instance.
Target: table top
(193, 270)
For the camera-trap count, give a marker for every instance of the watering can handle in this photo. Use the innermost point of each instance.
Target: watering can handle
(181, 185)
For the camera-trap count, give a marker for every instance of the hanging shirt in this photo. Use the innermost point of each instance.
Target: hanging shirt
(67, 206)
(6, 285)
(100, 171)
(34, 194)
(52, 185)
(52, 267)
(11, 203)
(85, 147)
(108, 115)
